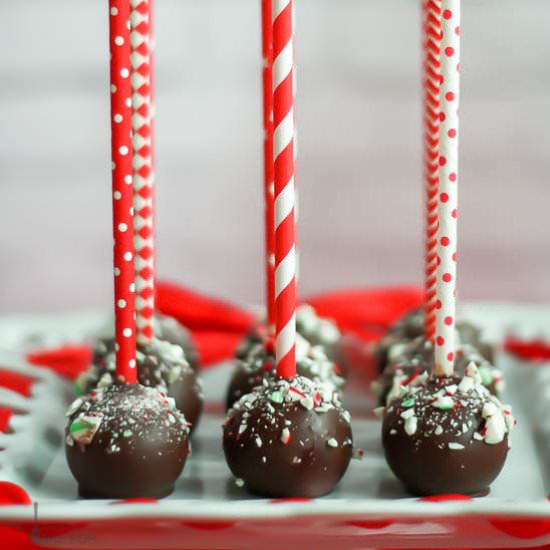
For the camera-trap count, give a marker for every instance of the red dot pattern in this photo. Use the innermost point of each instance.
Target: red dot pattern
(448, 180)
(123, 222)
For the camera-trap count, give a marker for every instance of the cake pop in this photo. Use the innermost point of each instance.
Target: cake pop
(165, 328)
(447, 435)
(161, 365)
(311, 362)
(126, 440)
(411, 326)
(288, 438)
(319, 331)
(418, 358)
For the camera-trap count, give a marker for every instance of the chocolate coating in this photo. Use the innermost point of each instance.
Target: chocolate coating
(137, 449)
(165, 328)
(286, 444)
(160, 365)
(418, 357)
(435, 450)
(311, 362)
(411, 326)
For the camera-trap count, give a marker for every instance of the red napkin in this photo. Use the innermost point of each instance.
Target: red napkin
(529, 350)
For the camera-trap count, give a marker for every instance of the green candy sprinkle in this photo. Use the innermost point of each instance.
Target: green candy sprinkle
(408, 402)
(276, 397)
(127, 433)
(486, 376)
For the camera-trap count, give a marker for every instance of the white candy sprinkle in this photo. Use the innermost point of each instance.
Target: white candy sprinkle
(285, 435)
(411, 424)
(332, 443)
(438, 430)
(239, 482)
(408, 413)
(477, 436)
(258, 440)
(455, 446)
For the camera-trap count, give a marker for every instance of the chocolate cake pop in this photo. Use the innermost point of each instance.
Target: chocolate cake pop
(165, 328)
(288, 438)
(161, 365)
(319, 331)
(447, 435)
(411, 326)
(311, 362)
(418, 358)
(126, 440)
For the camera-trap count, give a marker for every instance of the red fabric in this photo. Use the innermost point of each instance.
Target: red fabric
(529, 350)
(200, 312)
(16, 382)
(11, 494)
(5, 417)
(67, 361)
(445, 498)
(215, 347)
(367, 312)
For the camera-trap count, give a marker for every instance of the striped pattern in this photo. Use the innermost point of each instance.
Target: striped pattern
(431, 81)
(142, 120)
(283, 154)
(267, 84)
(123, 223)
(448, 189)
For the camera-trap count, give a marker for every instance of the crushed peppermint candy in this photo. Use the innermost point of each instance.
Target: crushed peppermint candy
(84, 428)
(332, 443)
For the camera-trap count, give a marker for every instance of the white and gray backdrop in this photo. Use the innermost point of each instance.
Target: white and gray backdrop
(359, 169)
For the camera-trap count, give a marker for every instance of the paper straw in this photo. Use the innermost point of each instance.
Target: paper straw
(448, 182)
(123, 219)
(431, 43)
(267, 84)
(283, 154)
(143, 170)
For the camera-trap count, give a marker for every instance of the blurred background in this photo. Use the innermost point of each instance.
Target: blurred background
(359, 167)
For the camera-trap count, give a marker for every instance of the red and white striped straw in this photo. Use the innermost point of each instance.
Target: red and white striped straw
(267, 83)
(283, 154)
(448, 187)
(143, 169)
(123, 219)
(431, 82)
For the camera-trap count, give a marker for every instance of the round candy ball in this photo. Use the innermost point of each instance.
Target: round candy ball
(288, 438)
(124, 441)
(311, 362)
(449, 435)
(418, 357)
(165, 328)
(160, 365)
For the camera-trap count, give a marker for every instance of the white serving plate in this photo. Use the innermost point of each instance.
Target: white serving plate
(207, 510)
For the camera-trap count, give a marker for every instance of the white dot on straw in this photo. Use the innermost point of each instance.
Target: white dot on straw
(113, 165)
(128, 179)
(113, 88)
(123, 150)
(117, 195)
(129, 102)
(114, 11)
(117, 271)
(128, 256)
(117, 118)
(119, 40)
(122, 227)
(131, 211)
(124, 73)
(117, 347)
(121, 304)
(132, 287)
(127, 332)
(132, 363)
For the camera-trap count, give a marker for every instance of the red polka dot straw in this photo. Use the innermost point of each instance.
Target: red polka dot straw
(431, 81)
(143, 169)
(283, 154)
(267, 82)
(448, 186)
(123, 218)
